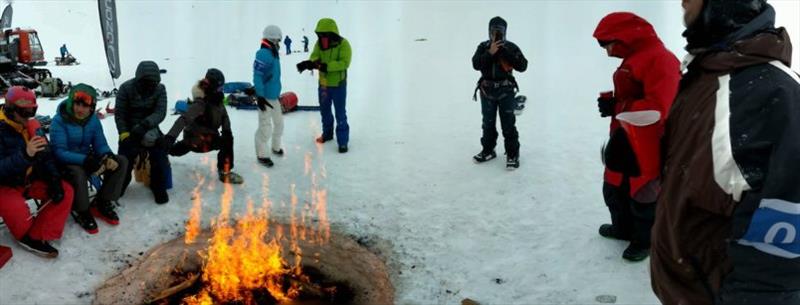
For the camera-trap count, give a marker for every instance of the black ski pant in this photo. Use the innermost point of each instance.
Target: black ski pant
(489, 110)
(631, 219)
(158, 163)
(109, 191)
(206, 143)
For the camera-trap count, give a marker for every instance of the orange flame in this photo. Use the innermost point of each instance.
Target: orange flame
(193, 225)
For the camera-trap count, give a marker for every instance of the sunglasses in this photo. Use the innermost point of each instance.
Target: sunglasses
(605, 43)
(26, 112)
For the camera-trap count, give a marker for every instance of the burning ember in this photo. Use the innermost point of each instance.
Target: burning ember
(253, 260)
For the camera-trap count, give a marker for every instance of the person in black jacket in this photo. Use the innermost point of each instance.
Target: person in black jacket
(496, 58)
(201, 124)
(140, 106)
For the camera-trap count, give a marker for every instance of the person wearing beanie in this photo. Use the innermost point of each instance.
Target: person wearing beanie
(201, 124)
(728, 214)
(331, 57)
(645, 85)
(496, 59)
(28, 170)
(141, 105)
(80, 147)
(267, 82)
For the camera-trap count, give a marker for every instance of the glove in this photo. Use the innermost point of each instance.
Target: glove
(138, 131)
(263, 104)
(110, 161)
(55, 191)
(606, 106)
(305, 65)
(92, 164)
(166, 142)
(323, 67)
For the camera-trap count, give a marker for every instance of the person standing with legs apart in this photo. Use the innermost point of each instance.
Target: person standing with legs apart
(140, 106)
(645, 85)
(267, 82)
(331, 56)
(80, 147)
(28, 170)
(496, 58)
(727, 219)
(201, 124)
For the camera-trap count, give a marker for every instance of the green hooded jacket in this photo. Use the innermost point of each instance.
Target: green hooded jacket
(336, 57)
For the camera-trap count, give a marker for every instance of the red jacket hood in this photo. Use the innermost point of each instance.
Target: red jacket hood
(627, 28)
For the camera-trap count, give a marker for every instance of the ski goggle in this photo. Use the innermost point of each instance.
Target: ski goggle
(26, 112)
(83, 99)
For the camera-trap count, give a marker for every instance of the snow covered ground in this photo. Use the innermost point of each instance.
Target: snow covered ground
(448, 228)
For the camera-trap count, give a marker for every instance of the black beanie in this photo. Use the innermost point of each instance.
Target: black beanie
(215, 77)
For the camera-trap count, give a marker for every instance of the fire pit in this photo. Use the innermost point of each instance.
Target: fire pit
(336, 271)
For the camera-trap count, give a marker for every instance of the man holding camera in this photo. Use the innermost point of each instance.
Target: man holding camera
(645, 85)
(28, 170)
(496, 58)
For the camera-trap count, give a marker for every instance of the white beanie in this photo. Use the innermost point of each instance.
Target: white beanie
(272, 32)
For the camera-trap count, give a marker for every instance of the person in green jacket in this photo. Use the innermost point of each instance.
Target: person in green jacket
(331, 56)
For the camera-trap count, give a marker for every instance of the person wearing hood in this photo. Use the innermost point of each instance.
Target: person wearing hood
(201, 123)
(645, 85)
(28, 170)
(267, 83)
(331, 56)
(496, 59)
(141, 105)
(80, 147)
(727, 218)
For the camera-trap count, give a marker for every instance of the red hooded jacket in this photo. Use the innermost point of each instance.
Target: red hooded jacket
(645, 85)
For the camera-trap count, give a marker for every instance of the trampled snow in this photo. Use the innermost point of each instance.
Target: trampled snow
(448, 229)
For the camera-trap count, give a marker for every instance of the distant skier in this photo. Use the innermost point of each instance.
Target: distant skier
(267, 82)
(288, 43)
(496, 58)
(331, 56)
(305, 43)
(645, 85)
(64, 51)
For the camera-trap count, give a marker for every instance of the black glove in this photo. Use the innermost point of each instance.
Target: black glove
(138, 131)
(606, 106)
(305, 65)
(166, 142)
(91, 164)
(263, 104)
(323, 67)
(55, 191)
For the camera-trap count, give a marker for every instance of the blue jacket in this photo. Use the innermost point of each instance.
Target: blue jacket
(72, 140)
(267, 73)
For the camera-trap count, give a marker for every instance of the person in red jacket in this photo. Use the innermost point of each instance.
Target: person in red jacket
(28, 170)
(645, 84)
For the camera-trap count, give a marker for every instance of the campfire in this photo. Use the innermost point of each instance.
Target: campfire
(253, 260)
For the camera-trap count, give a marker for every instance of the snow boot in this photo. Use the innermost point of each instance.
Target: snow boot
(512, 163)
(161, 197)
(484, 156)
(266, 162)
(39, 247)
(86, 221)
(609, 231)
(342, 149)
(323, 139)
(105, 211)
(636, 252)
(278, 152)
(231, 177)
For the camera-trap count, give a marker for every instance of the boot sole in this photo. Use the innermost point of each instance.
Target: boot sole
(37, 252)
